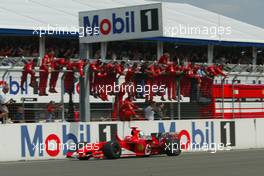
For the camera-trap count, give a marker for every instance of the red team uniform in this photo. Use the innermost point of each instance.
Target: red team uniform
(79, 66)
(94, 70)
(118, 103)
(57, 65)
(129, 79)
(172, 81)
(45, 69)
(69, 75)
(162, 73)
(154, 78)
(128, 110)
(164, 59)
(29, 68)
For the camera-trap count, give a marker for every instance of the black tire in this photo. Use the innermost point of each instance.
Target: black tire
(112, 150)
(174, 148)
(84, 158)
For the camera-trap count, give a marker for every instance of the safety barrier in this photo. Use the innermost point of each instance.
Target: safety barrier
(50, 140)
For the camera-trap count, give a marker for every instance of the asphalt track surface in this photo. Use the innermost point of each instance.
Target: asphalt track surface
(233, 163)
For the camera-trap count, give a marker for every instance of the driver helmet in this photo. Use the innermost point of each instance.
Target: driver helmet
(141, 134)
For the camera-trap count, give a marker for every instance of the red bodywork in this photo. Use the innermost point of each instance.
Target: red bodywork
(133, 145)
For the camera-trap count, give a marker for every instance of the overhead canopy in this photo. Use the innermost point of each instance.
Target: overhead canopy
(22, 17)
(29, 14)
(202, 25)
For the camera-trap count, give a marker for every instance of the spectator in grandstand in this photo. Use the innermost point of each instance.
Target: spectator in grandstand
(53, 108)
(97, 54)
(149, 111)
(35, 53)
(61, 52)
(19, 116)
(160, 111)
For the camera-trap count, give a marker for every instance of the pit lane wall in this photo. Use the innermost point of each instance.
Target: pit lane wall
(44, 140)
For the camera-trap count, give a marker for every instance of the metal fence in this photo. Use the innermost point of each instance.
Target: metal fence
(193, 100)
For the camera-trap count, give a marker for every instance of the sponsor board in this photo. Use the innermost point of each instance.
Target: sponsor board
(52, 140)
(191, 133)
(125, 23)
(38, 141)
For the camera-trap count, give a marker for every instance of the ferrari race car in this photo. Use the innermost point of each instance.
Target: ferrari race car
(136, 144)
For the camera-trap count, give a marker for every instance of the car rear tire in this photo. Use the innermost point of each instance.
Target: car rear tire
(112, 150)
(174, 147)
(84, 158)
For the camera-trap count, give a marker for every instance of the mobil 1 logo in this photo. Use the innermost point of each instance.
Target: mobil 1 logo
(228, 137)
(107, 132)
(149, 20)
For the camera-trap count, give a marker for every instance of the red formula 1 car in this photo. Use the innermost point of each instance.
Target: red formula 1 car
(137, 144)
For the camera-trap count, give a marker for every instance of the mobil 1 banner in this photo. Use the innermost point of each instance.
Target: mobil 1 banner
(107, 132)
(227, 131)
(125, 23)
(149, 19)
(194, 135)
